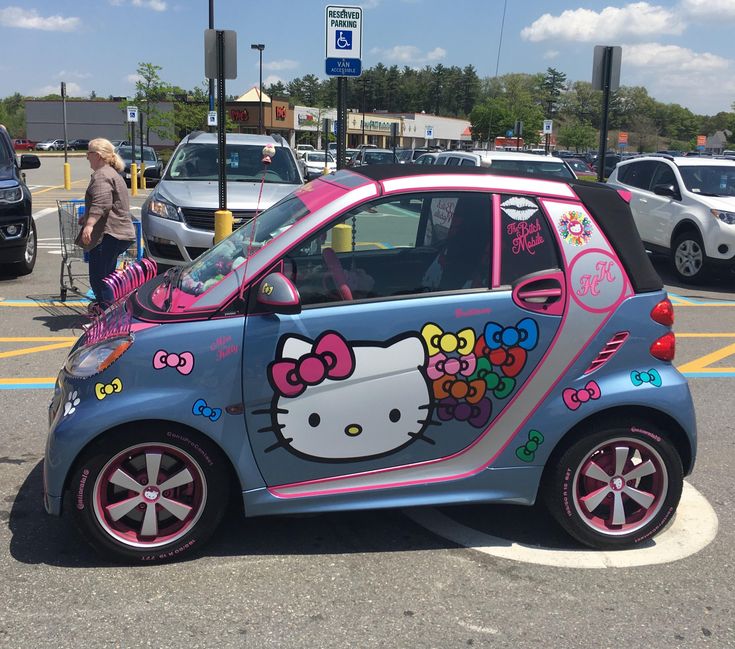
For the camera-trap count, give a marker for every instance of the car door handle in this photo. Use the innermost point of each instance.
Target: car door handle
(540, 295)
(541, 292)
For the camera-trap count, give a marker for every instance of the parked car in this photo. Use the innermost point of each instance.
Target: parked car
(407, 156)
(312, 164)
(50, 145)
(580, 167)
(178, 216)
(367, 343)
(117, 143)
(153, 164)
(372, 156)
(683, 207)
(78, 145)
(509, 162)
(23, 145)
(18, 240)
(429, 158)
(303, 148)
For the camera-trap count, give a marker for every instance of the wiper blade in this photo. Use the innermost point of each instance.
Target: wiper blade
(173, 275)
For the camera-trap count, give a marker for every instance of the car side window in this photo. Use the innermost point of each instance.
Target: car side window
(412, 244)
(638, 174)
(527, 244)
(663, 175)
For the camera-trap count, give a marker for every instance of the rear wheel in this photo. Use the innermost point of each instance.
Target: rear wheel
(688, 257)
(150, 496)
(615, 487)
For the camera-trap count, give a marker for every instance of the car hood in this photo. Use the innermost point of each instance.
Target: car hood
(240, 195)
(724, 203)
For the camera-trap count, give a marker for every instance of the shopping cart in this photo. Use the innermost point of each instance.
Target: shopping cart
(74, 274)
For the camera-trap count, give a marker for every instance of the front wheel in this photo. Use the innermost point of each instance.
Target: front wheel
(688, 257)
(150, 496)
(616, 487)
(27, 264)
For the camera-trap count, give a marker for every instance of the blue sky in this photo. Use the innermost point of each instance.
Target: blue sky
(680, 50)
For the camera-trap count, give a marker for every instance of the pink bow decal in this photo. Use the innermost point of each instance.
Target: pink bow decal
(440, 365)
(574, 398)
(183, 362)
(330, 358)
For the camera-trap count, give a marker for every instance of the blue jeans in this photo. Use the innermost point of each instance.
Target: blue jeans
(102, 262)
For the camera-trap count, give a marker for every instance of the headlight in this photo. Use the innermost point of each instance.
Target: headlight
(12, 195)
(725, 217)
(164, 210)
(88, 361)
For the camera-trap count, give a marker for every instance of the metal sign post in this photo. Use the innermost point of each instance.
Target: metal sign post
(605, 77)
(343, 58)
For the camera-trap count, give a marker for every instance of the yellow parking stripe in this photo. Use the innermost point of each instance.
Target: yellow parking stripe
(33, 350)
(45, 379)
(701, 363)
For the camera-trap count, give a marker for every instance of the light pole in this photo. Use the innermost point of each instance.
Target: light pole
(260, 47)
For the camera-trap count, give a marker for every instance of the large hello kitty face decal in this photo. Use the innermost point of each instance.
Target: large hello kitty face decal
(338, 401)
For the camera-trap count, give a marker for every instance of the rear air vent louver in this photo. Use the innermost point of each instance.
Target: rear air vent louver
(607, 352)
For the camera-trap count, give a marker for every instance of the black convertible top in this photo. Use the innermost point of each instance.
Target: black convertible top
(605, 204)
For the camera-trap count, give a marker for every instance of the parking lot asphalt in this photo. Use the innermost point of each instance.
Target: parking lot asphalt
(365, 579)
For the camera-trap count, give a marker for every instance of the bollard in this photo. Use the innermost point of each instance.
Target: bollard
(142, 175)
(222, 225)
(67, 175)
(342, 238)
(133, 179)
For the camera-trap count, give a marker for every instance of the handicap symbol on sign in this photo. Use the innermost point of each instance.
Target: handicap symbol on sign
(343, 40)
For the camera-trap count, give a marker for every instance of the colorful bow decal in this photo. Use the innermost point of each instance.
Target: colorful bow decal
(183, 362)
(201, 408)
(101, 390)
(652, 377)
(476, 414)
(524, 334)
(331, 358)
(527, 453)
(510, 361)
(575, 398)
(501, 387)
(440, 365)
(471, 391)
(437, 341)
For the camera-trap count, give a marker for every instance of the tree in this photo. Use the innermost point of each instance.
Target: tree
(491, 119)
(552, 84)
(149, 90)
(576, 135)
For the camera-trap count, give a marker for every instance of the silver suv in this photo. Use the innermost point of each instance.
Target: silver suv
(178, 217)
(683, 207)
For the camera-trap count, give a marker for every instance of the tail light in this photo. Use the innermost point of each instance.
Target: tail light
(663, 313)
(625, 195)
(664, 348)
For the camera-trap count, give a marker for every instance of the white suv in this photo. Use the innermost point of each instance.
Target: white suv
(508, 162)
(683, 207)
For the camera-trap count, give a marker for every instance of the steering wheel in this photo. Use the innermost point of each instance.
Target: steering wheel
(337, 272)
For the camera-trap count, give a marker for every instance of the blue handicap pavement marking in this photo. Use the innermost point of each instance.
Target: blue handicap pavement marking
(343, 39)
(681, 300)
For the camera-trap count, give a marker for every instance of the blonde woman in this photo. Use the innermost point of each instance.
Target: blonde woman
(107, 227)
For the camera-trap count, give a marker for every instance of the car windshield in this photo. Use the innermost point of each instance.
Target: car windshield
(709, 180)
(243, 163)
(211, 267)
(533, 167)
(378, 157)
(318, 157)
(126, 153)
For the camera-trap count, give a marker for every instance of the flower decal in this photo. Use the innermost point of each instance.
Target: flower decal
(575, 228)
(71, 405)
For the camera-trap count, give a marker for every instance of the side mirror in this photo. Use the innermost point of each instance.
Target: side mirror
(666, 190)
(277, 294)
(29, 161)
(152, 172)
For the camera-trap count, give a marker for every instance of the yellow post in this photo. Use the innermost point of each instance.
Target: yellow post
(67, 175)
(133, 179)
(222, 225)
(342, 238)
(142, 175)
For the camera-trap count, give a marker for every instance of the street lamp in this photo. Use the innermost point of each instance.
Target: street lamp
(260, 47)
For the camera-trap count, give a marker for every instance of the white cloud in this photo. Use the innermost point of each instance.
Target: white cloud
(719, 10)
(133, 78)
(551, 54)
(409, 55)
(155, 5)
(285, 64)
(657, 58)
(66, 74)
(72, 90)
(271, 79)
(31, 19)
(636, 21)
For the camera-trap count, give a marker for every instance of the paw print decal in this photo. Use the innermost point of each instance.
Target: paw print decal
(71, 405)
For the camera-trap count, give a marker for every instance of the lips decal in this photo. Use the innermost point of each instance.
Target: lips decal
(519, 208)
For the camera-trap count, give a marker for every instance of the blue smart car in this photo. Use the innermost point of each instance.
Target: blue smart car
(386, 337)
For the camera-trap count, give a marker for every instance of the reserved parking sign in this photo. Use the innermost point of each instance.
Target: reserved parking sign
(343, 41)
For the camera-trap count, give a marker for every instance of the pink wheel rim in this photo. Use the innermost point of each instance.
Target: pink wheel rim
(149, 495)
(620, 486)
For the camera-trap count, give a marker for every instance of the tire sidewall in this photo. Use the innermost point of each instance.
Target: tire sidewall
(696, 238)
(95, 458)
(562, 487)
(26, 267)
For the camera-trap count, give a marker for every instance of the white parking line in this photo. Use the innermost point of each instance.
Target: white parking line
(693, 528)
(44, 212)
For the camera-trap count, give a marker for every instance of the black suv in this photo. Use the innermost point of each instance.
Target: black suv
(17, 229)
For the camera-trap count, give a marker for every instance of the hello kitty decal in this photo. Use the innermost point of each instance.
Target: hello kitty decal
(342, 401)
